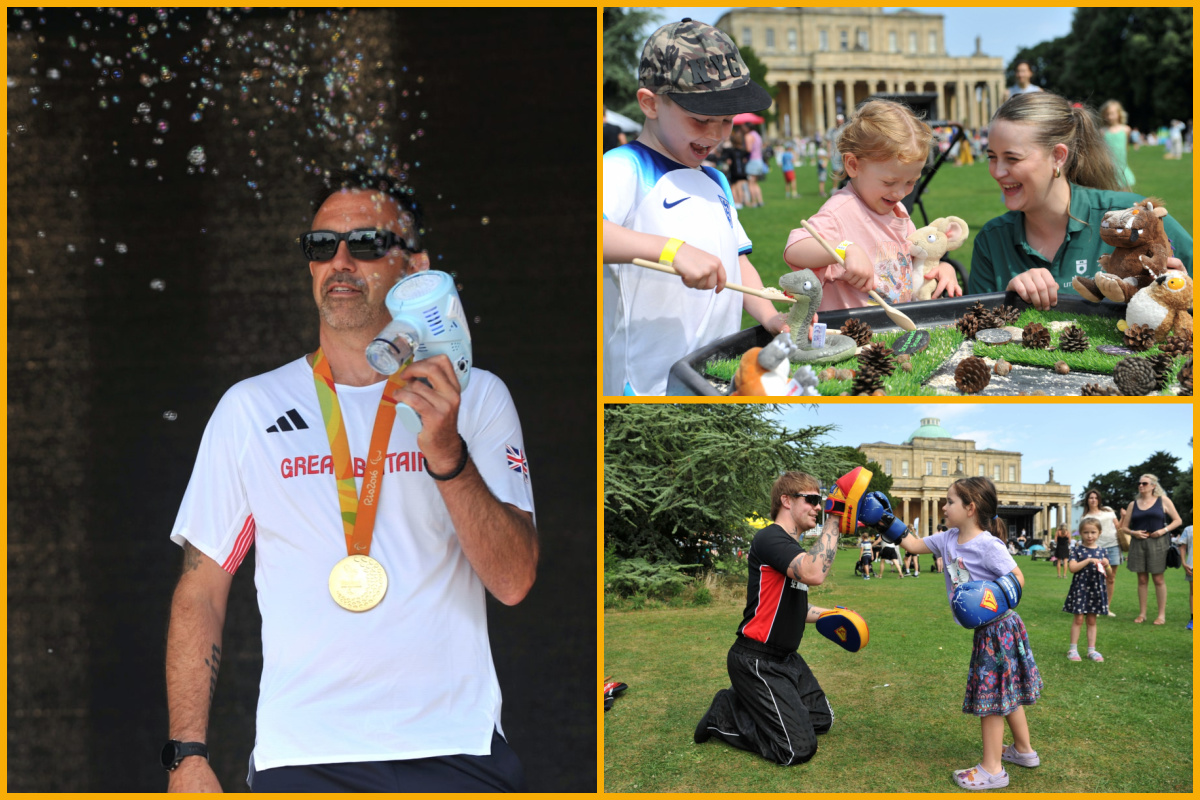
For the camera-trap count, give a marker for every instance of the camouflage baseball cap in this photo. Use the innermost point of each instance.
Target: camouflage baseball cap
(700, 68)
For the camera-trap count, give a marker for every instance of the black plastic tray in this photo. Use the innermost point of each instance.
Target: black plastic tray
(687, 374)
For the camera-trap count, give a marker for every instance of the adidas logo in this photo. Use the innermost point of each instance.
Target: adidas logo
(282, 424)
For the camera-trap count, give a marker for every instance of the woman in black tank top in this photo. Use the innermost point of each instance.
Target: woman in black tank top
(1148, 520)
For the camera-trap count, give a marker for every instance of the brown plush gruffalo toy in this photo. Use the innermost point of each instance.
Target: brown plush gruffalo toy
(1139, 256)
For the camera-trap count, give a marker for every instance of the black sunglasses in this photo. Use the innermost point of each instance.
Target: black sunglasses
(811, 499)
(365, 244)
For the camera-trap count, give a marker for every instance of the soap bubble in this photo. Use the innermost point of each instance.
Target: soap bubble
(122, 247)
(99, 262)
(170, 416)
(143, 108)
(484, 221)
(196, 156)
(163, 127)
(158, 285)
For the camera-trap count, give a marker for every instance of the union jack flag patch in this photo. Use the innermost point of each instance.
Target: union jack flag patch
(516, 460)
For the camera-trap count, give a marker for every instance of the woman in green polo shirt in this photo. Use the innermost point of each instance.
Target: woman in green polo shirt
(1058, 178)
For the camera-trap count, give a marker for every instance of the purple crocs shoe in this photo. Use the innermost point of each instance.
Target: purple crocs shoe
(978, 778)
(1011, 755)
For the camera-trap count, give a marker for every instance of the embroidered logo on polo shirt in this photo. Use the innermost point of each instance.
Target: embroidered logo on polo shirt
(1081, 266)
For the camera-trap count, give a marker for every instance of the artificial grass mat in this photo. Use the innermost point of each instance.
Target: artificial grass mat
(943, 341)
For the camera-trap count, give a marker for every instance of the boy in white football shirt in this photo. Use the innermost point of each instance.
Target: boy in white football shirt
(661, 205)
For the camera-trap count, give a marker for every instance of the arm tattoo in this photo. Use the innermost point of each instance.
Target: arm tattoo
(214, 664)
(191, 557)
(825, 549)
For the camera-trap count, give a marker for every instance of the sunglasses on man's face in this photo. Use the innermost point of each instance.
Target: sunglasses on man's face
(811, 499)
(365, 244)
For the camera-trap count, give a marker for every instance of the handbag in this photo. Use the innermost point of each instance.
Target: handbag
(1123, 541)
(1174, 560)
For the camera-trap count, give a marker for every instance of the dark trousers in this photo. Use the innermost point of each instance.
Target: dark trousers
(776, 707)
(499, 772)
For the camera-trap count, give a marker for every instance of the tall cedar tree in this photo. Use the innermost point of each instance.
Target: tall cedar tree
(680, 480)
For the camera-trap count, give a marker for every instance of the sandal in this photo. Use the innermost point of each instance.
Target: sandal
(1073, 655)
(1160, 621)
(1139, 619)
(1094, 656)
(1015, 756)
(977, 778)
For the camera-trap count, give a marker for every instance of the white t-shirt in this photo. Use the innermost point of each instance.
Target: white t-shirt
(410, 678)
(1186, 541)
(651, 320)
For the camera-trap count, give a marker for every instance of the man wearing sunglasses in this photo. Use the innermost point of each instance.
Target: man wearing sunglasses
(775, 706)
(377, 676)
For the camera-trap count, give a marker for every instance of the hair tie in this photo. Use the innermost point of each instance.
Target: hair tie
(995, 518)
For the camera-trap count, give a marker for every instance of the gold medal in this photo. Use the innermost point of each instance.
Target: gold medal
(358, 583)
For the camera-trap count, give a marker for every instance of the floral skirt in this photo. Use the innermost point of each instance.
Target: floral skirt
(1003, 674)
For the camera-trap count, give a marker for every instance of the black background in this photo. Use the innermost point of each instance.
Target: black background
(97, 357)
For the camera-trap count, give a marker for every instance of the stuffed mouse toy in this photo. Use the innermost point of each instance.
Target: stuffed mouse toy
(1140, 253)
(927, 246)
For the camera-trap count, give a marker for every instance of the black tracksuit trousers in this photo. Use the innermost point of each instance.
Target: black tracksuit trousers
(776, 707)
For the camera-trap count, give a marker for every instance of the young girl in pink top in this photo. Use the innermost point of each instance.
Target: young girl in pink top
(884, 147)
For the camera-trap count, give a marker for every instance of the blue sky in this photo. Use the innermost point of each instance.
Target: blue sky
(1004, 30)
(1078, 441)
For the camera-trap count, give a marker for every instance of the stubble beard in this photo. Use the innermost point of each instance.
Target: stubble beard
(341, 315)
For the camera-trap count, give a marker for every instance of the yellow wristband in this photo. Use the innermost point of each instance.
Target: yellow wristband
(841, 249)
(668, 253)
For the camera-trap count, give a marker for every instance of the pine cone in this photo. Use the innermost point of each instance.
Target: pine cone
(1098, 390)
(1162, 368)
(1176, 345)
(969, 324)
(1007, 314)
(1185, 379)
(857, 330)
(1139, 337)
(1035, 335)
(867, 381)
(878, 358)
(972, 375)
(1073, 340)
(1134, 376)
(985, 317)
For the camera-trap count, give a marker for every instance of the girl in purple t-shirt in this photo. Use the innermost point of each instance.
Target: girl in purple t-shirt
(1003, 677)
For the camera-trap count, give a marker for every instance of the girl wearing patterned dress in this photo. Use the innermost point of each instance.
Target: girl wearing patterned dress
(1088, 595)
(1003, 677)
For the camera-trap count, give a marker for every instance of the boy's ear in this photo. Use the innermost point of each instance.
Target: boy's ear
(850, 164)
(648, 103)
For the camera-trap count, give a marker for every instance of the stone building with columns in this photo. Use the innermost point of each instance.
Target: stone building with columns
(824, 61)
(925, 465)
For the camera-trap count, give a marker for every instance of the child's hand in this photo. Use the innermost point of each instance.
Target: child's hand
(860, 271)
(777, 324)
(698, 269)
(947, 281)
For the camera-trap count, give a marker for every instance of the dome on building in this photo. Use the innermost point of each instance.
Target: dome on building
(931, 428)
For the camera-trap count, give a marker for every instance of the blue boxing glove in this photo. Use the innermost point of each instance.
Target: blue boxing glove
(875, 511)
(976, 603)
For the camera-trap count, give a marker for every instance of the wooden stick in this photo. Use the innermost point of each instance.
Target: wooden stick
(737, 287)
(898, 317)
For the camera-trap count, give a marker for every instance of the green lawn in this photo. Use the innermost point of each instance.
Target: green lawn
(1121, 726)
(967, 192)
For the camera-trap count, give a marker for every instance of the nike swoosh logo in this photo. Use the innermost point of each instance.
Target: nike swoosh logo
(672, 205)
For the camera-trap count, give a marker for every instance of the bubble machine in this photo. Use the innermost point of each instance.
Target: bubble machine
(427, 320)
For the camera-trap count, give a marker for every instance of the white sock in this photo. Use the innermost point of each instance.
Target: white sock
(1073, 649)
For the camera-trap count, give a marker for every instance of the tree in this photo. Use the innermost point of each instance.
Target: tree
(1119, 488)
(623, 43)
(1106, 47)
(682, 479)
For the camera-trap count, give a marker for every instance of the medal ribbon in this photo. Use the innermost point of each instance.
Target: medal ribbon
(358, 525)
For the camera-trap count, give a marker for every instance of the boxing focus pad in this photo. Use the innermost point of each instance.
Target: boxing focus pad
(875, 511)
(845, 627)
(976, 603)
(847, 491)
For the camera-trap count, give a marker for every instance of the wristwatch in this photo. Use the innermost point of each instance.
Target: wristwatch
(175, 751)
